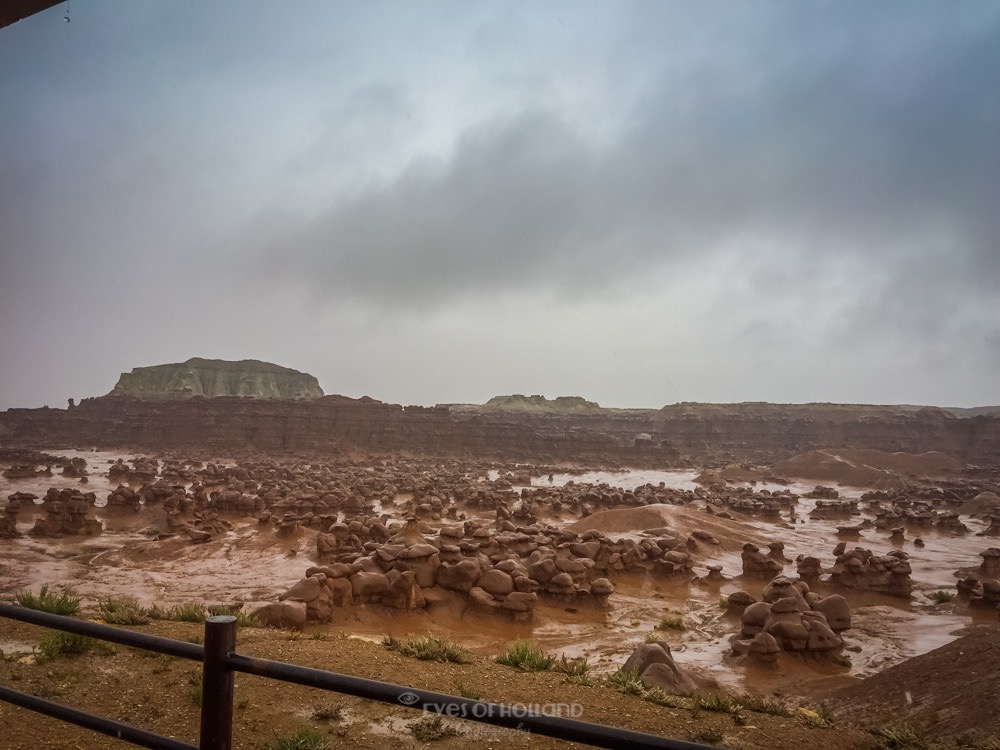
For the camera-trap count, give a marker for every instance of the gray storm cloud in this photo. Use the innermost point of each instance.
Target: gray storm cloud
(680, 186)
(823, 150)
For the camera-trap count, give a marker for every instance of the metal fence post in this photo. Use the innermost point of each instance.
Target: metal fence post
(217, 684)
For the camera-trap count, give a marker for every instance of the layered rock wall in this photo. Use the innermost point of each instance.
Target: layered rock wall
(669, 437)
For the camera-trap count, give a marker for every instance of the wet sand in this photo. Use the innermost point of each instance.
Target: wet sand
(251, 564)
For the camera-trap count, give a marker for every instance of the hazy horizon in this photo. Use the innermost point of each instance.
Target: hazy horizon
(637, 203)
(553, 396)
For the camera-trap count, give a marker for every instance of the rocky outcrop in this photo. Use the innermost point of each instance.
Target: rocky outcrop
(66, 513)
(861, 569)
(654, 664)
(517, 402)
(217, 377)
(791, 619)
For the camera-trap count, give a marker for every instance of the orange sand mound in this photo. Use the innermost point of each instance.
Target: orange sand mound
(867, 468)
(731, 533)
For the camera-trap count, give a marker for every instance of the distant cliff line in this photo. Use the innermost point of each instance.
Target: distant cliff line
(676, 435)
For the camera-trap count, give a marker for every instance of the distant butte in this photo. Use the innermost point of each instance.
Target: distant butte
(248, 378)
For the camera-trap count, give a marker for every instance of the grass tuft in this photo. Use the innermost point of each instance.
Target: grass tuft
(718, 702)
(941, 597)
(467, 692)
(333, 712)
(671, 622)
(431, 728)
(630, 683)
(761, 705)
(900, 737)
(306, 738)
(577, 667)
(57, 643)
(67, 603)
(189, 612)
(527, 657)
(243, 618)
(123, 612)
(708, 736)
(428, 648)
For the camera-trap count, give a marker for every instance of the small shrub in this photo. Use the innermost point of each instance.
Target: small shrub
(941, 597)
(431, 728)
(661, 697)
(817, 717)
(58, 643)
(628, 682)
(156, 612)
(163, 663)
(527, 657)
(122, 612)
(243, 618)
(189, 612)
(304, 739)
(671, 622)
(761, 705)
(67, 603)
(194, 695)
(719, 702)
(466, 692)
(428, 648)
(900, 737)
(328, 713)
(723, 602)
(708, 735)
(577, 667)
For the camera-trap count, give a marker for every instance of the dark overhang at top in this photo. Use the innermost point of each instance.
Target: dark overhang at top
(12, 11)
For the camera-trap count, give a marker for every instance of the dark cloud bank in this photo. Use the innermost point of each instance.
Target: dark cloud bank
(774, 185)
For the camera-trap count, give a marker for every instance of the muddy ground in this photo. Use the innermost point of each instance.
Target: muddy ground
(252, 565)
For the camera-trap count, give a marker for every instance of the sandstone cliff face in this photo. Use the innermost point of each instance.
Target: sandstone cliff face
(759, 431)
(216, 377)
(686, 434)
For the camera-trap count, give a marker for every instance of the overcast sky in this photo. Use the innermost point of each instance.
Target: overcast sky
(432, 202)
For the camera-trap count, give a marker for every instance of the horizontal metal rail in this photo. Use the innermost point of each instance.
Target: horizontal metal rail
(511, 716)
(96, 723)
(220, 661)
(167, 646)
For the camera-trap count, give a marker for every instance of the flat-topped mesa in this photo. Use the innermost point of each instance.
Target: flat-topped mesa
(519, 402)
(249, 378)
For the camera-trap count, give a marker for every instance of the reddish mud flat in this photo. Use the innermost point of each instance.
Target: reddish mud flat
(138, 555)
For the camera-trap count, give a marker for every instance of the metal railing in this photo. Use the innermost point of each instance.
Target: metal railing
(220, 662)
